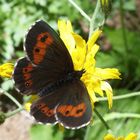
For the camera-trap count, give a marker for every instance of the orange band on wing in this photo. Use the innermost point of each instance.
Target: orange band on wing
(72, 111)
(27, 69)
(26, 76)
(44, 40)
(45, 110)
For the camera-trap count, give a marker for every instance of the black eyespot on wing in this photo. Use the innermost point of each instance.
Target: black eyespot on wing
(74, 110)
(43, 39)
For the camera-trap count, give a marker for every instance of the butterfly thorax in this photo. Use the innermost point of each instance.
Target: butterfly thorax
(71, 76)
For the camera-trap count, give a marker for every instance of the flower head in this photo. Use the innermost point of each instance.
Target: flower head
(130, 136)
(83, 54)
(6, 70)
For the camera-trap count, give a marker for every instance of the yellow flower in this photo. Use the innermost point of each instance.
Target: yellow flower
(130, 136)
(6, 70)
(83, 54)
(109, 137)
(28, 104)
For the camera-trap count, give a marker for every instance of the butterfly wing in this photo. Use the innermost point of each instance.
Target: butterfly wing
(30, 78)
(45, 48)
(74, 110)
(43, 109)
(69, 105)
(48, 60)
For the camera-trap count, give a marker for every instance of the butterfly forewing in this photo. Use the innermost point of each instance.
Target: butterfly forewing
(45, 48)
(47, 57)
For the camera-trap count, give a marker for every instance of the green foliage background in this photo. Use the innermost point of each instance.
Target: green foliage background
(17, 16)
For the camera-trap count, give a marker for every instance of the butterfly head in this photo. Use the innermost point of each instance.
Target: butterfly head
(78, 74)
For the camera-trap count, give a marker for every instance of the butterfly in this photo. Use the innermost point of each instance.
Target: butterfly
(48, 71)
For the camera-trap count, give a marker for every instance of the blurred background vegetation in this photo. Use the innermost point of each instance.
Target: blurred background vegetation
(117, 51)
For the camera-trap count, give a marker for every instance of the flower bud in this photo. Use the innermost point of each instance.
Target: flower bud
(106, 6)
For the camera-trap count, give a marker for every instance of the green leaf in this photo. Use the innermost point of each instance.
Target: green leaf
(44, 132)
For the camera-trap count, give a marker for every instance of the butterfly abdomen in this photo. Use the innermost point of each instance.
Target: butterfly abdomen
(76, 75)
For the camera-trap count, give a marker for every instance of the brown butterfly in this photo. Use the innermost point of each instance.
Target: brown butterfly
(48, 71)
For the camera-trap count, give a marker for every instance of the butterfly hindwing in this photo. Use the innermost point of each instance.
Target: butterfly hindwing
(69, 105)
(31, 79)
(43, 109)
(74, 110)
(22, 75)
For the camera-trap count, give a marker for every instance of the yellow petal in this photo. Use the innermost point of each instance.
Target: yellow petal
(90, 61)
(109, 137)
(108, 90)
(131, 136)
(98, 89)
(107, 73)
(93, 39)
(78, 54)
(92, 95)
(27, 106)
(80, 42)
(94, 49)
(6, 70)
(65, 29)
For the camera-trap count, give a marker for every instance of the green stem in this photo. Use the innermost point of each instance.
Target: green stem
(80, 10)
(129, 95)
(93, 23)
(20, 107)
(123, 25)
(9, 114)
(87, 133)
(102, 119)
(11, 97)
(124, 33)
(117, 115)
